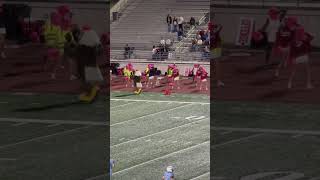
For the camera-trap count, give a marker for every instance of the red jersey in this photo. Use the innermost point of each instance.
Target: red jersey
(175, 73)
(284, 37)
(299, 48)
(204, 75)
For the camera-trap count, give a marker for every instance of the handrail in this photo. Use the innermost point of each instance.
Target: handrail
(190, 32)
(118, 7)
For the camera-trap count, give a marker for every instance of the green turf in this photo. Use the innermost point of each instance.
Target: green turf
(267, 115)
(156, 146)
(72, 156)
(238, 158)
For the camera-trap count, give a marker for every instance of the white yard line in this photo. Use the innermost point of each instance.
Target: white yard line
(43, 121)
(20, 124)
(53, 125)
(237, 140)
(7, 159)
(121, 105)
(43, 137)
(271, 131)
(162, 157)
(203, 175)
(155, 101)
(159, 112)
(160, 132)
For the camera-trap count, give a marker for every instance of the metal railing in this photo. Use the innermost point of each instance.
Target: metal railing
(268, 3)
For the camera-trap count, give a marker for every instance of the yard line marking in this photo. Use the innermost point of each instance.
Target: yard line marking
(20, 124)
(20, 120)
(270, 131)
(160, 132)
(121, 105)
(7, 159)
(237, 140)
(203, 175)
(162, 157)
(44, 137)
(297, 136)
(227, 132)
(53, 125)
(165, 156)
(181, 102)
(159, 112)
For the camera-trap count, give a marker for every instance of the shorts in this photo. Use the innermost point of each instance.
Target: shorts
(151, 77)
(302, 59)
(203, 80)
(176, 78)
(139, 85)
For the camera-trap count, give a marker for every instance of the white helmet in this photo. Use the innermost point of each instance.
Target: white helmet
(169, 169)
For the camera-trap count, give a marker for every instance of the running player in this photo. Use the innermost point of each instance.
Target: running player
(111, 164)
(168, 174)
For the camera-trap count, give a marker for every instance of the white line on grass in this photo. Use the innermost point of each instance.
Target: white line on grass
(162, 157)
(272, 131)
(155, 101)
(203, 175)
(53, 125)
(237, 140)
(160, 132)
(165, 156)
(159, 112)
(122, 105)
(43, 137)
(20, 120)
(20, 124)
(7, 159)
(226, 132)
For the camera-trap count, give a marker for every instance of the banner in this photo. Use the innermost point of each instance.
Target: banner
(245, 31)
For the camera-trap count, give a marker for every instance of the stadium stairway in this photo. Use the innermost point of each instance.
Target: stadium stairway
(143, 24)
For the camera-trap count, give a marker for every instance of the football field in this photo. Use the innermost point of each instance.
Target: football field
(269, 141)
(50, 136)
(152, 131)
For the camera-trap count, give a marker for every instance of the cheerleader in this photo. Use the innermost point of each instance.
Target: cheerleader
(137, 82)
(149, 75)
(299, 55)
(285, 36)
(128, 73)
(203, 74)
(176, 77)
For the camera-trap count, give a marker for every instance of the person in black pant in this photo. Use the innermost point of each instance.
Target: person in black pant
(169, 22)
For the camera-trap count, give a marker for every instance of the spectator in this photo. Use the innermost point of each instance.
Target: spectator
(127, 52)
(154, 52)
(162, 42)
(192, 21)
(193, 45)
(180, 34)
(180, 23)
(175, 24)
(169, 22)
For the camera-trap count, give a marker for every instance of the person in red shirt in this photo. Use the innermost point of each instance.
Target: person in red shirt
(203, 74)
(285, 36)
(299, 54)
